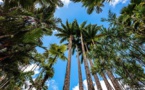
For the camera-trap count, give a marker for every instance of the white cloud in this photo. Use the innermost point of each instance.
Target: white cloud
(76, 87)
(66, 2)
(102, 84)
(55, 31)
(86, 86)
(32, 67)
(1, 2)
(52, 84)
(26, 86)
(115, 2)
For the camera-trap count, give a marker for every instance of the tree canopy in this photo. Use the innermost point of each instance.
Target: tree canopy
(116, 51)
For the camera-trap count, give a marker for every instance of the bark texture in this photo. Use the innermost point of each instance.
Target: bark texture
(67, 76)
(79, 72)
(108, 86)
(113, 80)
(88, 75)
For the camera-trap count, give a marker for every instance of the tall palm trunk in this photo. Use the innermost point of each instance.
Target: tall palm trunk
(109, 87)
(79, 71)
(113, 80)
(95, 75)
(88, 75)
(67, 76)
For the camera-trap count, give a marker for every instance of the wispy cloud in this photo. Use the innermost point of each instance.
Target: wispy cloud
(115, 2)
(52, 84)
(66, 2)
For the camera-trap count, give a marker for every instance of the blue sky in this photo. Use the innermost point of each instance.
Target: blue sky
(69, 12)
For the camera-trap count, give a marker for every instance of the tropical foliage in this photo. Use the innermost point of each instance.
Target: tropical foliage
(116, 52)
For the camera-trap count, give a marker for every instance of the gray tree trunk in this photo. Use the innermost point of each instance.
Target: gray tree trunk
(67, 76)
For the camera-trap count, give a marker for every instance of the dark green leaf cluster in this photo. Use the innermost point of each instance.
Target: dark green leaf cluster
(122, 50)
(92, 5)
(22, 25)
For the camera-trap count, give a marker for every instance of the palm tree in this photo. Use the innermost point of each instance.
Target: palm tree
(113, 80)
(30, 5)
(79, 70)
(17, 45)
(55, 52)
(92, 5)
(76, 45)
(66, 33)
(89, 80)
(128, 74)
(95, 75)
(90, 38)
(131, 23)
(80, 31)
(46, 62)
(101, 64)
